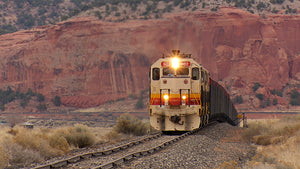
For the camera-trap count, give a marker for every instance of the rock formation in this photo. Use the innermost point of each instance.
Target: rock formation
(88, 62)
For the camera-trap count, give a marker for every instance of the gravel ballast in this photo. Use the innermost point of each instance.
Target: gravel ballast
(209, 148)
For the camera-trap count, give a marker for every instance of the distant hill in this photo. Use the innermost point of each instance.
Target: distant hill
(25, 14)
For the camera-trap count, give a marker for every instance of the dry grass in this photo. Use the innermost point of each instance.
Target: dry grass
(228, 165)
(128, 124)
(113, 136)
(278, 142)
(126, 127)
(3, 158)
(20, 146)
(78, 136)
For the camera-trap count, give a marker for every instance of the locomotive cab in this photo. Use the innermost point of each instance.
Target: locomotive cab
(179, 89)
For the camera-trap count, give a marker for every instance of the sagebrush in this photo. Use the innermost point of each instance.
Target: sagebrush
(21, 146)
(128, 124)
(278, 142)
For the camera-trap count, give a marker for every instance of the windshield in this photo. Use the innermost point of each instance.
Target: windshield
(179, 71)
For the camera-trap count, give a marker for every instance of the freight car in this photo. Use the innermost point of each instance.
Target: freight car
(183, 97)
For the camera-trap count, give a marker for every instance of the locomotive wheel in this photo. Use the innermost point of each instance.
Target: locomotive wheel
(201, 121)
(204, 120)
(207, 118)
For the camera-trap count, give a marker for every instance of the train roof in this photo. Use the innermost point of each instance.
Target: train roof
(178, 54)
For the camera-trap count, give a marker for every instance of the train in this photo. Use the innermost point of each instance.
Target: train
(183, 96)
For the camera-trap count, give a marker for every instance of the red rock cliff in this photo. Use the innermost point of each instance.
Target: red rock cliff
(88, 62)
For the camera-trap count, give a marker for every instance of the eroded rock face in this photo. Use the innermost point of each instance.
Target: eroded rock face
(88, 62)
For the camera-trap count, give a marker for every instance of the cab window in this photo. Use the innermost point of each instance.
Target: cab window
(155, 73)
(202, 76)
(182, 71)
(168, 71)
(195, 73)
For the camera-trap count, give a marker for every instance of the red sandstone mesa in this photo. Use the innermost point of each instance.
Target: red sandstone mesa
(88, 62)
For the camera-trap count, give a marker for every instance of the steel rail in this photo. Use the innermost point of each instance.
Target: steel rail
(77, 158)
(123, 159)
(131, 156)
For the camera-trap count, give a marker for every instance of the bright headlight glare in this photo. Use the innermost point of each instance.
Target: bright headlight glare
(166, 97)
(183, 97)
(175, 63)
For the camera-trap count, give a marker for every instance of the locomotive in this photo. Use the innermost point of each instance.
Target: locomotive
(183, 97)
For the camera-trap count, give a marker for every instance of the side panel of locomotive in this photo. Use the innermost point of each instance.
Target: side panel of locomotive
(221, 107)
(179, 97)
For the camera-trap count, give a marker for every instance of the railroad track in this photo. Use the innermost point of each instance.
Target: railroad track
(113, 157)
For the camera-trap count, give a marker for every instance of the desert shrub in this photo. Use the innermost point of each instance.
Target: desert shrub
(276, 92)
(36, 140)
(25, 20)
(260, 96)
(215, 8)
(56, 101)
(238, 99)
(41, 107)
(24, 102)
(2, 107)
(131, 96)
(130, 125)
(30, 92)
(139, 104)
(185, 4)
(290, 10)
(40, 97)
(26, 146)
(277, 1)
(253, 130)
(59, 142)
(27, 139)
(78, 136)
(256, 86)
(275, 101)
(176, 2)
(3, 158)
(295, 98)
(272, 133)
(262, 139)
(265, 103)
(274, 10)
(21, 156)
(98, 14)
(260, 6)
(113, 136)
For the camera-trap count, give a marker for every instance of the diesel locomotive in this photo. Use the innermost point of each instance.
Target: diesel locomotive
(183, 97)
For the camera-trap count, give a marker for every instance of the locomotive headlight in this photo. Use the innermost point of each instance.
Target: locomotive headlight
(166, 97)
(175, 63)
(183, 99)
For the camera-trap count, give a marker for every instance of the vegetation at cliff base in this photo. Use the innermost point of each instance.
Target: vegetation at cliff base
(256, 86)
(238, 99)
(260, 96)
(295, 98)
(56, 101)
(276, 92)
(9, 95)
